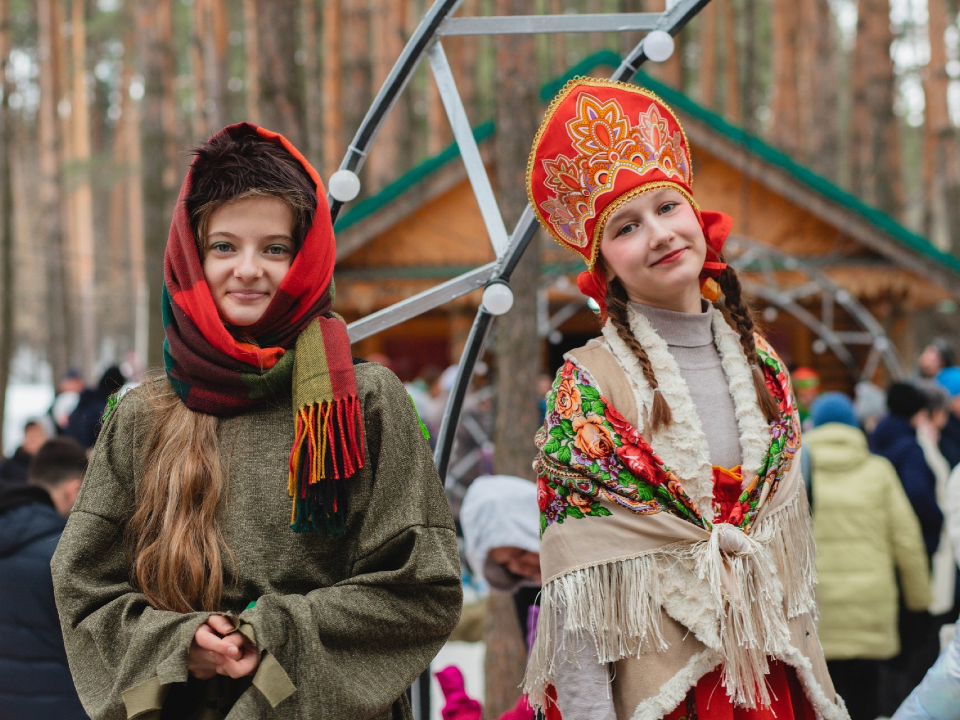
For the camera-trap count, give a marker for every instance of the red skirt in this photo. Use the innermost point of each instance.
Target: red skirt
(708, 700)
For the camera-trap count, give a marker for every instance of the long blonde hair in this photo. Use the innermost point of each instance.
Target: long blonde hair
(176, 542)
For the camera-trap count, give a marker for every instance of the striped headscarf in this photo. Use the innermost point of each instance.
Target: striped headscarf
(298, 342)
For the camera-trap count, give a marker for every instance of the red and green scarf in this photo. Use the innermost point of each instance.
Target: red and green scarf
(298, 343)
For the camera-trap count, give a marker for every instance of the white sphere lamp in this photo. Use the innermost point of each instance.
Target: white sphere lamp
(497, 298)
(658, 45)
(344, 185)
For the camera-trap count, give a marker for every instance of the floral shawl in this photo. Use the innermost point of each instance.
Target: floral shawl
(628, 541)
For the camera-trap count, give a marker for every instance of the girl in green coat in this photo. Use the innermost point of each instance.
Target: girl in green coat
(262, 532)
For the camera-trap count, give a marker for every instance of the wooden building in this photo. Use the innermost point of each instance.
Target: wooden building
(426, 228)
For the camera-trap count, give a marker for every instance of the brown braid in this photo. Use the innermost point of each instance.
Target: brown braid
(660, 413)
(740, 314)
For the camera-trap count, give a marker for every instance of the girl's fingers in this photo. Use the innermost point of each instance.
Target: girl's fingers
(220, 624)
(208, 640)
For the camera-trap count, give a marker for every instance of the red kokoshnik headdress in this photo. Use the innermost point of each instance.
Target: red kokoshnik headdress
(601, 144)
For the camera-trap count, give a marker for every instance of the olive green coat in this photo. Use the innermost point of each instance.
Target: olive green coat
(344, 624)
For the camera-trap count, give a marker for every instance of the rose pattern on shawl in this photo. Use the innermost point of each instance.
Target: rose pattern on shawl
(592, 438)
(568, 399)
(595, 454)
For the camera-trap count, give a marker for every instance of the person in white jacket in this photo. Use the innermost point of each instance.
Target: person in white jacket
(937, 697)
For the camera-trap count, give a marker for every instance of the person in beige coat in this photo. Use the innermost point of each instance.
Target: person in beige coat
(867, 535)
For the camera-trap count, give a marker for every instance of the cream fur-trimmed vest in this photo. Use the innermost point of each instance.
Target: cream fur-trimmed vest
(655, 594)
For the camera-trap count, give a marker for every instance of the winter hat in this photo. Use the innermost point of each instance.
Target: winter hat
(601, 144)
(499, 511)
(949, 378)
(905, 400)
(833, 407)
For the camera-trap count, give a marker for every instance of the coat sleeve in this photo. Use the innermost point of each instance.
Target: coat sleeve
(353, 648)
(114, 640)
(906, 540)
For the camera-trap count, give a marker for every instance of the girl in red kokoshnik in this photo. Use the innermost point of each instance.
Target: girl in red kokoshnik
(261, 532)
(676, 550)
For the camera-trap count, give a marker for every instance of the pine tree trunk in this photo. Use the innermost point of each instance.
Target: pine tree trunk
(875, 137)
(785, 121)
(333, 142)
(7, 279)
(518, 346)
(939, 140)
(817, 88)
(154, 31)
(82, 193)
(251, 37)
(707, 75)
(139, 293)
(356, 64)
(281, 95)
(387, 27)
(731, 65)
(311, 83)
(59, 341)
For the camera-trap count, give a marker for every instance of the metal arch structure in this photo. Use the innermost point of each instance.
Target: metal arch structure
(759, 264)
(426, 43)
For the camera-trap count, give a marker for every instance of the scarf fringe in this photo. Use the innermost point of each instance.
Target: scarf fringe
(738, 609)
(327, 449)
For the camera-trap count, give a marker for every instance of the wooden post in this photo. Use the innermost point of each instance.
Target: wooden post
(58, 310)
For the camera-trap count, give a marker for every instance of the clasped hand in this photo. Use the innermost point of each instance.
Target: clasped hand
(217, 649)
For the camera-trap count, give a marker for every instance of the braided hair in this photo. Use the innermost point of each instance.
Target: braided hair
(739, 313)
(660, 413)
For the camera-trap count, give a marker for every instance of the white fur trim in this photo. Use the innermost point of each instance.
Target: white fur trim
(682, 445)
(673, 692)
(754, 429)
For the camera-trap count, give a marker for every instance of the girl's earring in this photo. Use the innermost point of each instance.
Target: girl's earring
(710, 290)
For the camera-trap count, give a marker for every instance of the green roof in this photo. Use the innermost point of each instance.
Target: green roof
(684, 104)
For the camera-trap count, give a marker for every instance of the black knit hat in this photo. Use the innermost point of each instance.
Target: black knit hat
(905, 400)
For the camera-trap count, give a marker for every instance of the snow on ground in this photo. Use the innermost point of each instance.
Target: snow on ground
(468, 656)
(24, 402)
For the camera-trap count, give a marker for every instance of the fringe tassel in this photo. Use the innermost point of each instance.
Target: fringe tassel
(746, 599)
(325, 453)
(788, 535)
(746, 588)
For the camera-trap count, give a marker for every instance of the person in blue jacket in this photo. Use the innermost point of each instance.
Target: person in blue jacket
(35, 681)
(895, 438)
